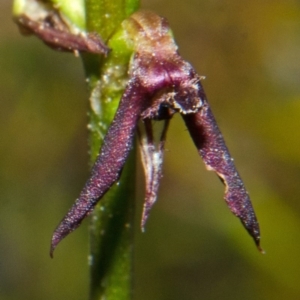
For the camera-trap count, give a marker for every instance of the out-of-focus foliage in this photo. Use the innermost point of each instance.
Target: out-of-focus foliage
(193, 247)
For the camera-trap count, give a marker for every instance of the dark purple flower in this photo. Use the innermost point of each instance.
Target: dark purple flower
(160, 84)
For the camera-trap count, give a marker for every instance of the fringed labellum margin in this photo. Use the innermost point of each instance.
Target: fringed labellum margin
(160, 84)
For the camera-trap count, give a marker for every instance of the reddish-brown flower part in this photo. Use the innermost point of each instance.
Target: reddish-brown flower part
(55, 33)
(160, 84)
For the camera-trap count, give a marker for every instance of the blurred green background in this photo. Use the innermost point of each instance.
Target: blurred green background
(193, 248)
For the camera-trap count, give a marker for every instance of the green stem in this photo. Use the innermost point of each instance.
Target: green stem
(111, 229)
(111, 240)
(104, 16)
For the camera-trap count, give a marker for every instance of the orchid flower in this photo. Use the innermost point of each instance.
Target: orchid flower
(160, 84)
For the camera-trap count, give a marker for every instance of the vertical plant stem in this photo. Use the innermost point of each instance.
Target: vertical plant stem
(111, 228)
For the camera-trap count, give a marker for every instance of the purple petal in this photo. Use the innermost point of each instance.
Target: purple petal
(211, 146)
(152, 159)
(108, 166)
(61, 38)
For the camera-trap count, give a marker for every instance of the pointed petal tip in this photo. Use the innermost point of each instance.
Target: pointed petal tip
(54, 242)
(260, 249)
(56, 238)
(51, 252)
(145, 215)
(256, 238)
